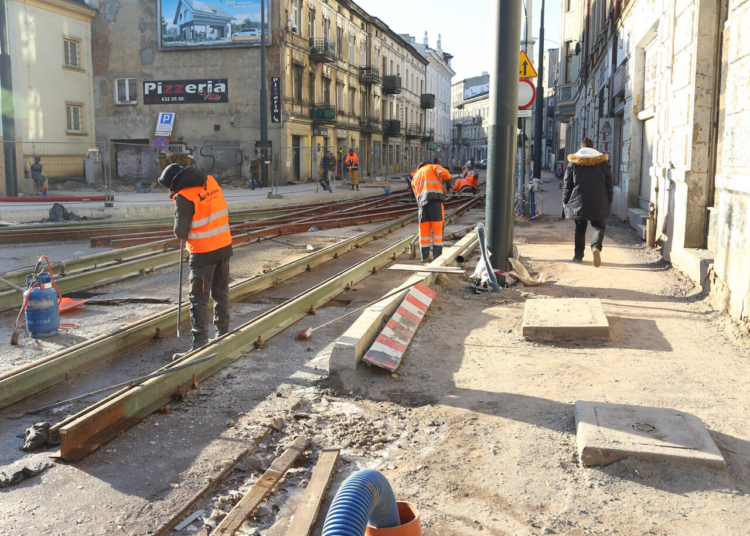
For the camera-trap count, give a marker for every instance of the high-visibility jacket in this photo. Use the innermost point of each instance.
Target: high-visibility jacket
(352, 161)
(209, 229)
(473, 180)
(428, 183)
(462, 186)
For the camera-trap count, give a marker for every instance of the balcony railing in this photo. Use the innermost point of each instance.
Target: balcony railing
(392, 127)
(369, 75)
(392, 85)
(428, 134)
(322, 51)
(369, 124)
(427, 101)
(323, 114)
(413, 131)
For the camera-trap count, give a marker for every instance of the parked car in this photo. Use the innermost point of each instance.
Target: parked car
(482, 164)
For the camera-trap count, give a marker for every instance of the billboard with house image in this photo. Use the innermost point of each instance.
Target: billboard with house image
(210, 23)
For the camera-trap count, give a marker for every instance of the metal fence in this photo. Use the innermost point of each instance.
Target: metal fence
(50, 168)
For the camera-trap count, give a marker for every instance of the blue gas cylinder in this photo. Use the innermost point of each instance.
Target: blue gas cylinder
(42, 313)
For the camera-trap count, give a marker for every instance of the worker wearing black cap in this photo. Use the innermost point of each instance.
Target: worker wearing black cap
(202, 220)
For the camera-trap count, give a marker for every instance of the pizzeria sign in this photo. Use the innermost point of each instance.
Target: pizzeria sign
(212, 90)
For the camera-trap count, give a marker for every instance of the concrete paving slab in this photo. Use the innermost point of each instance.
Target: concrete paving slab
(610, 432)
(565, 319)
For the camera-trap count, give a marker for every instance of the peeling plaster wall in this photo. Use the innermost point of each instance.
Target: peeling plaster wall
(125, 45)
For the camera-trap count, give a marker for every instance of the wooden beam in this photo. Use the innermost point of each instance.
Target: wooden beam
(427, 268)
(307, 510)
(260, 490)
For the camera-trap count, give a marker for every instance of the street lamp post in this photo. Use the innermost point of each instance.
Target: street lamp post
(263, 98)
(539, 119)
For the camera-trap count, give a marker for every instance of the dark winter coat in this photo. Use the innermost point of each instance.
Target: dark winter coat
(588, 186)
(183, 215)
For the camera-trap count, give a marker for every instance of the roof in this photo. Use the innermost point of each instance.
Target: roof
(196, 6)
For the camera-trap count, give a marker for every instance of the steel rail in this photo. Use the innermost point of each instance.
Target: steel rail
(33, 377)
(29, 233)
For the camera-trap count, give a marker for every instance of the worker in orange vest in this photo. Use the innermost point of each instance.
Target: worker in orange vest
(473, 180)
(202, 220)
(428, 186)
(352, 162)
(462, 186)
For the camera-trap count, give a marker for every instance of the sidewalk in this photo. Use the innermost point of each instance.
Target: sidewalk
(158, 203)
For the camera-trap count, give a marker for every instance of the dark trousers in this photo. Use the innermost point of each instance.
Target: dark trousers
(596, 240)
(211, 279)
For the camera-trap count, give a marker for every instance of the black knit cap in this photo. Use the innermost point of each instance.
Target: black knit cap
(168, 175)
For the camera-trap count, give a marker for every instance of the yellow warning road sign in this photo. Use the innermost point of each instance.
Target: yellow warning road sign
(526, 69)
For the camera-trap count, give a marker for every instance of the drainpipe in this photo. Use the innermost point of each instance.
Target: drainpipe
(8, 106)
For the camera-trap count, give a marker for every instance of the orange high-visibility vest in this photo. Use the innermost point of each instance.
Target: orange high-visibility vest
(428, 183)
(461, 183)
(209, 229)
(352, 161)
(473, 180)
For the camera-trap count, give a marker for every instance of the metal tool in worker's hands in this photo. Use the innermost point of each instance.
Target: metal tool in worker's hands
(179, 296)
(305, 334)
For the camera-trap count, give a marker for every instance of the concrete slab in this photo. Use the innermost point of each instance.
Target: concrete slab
(565, 319)
(610, 432)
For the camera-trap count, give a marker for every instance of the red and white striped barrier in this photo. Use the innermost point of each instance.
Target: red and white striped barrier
(389, 348)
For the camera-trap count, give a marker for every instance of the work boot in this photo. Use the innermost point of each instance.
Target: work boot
(199, 340)
(425, 255)
(437, 251)
(351, 187)
(220, 331)
(358, 187)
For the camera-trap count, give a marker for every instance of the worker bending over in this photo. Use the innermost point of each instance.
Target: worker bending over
(352, 162)
(473, 180)
(427, 184)
(462, 186)
(202, 219)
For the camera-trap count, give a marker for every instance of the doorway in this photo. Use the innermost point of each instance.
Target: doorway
(296, 171)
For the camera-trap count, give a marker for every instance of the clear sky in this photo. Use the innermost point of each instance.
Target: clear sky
(466, 27)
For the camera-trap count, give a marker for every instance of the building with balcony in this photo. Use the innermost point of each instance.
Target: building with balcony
(470, 108)
(437, 100)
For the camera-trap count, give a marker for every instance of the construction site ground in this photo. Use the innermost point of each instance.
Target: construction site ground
(476, 428)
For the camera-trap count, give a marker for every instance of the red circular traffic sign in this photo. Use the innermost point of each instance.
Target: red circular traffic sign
(161, 143)
(526, 93)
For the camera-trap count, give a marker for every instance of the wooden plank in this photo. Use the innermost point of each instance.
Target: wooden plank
(307, 510)
(427, 268)
(261, 489)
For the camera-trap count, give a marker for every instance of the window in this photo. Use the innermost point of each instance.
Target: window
(340, 42)
(352, 49)
(72, 57)
(126, 91)
(311, 87)
(297, 83)
(326, 91)
(74, 118)
(568, 62)
(568, 5)
(340, 96)
(297, 16)
(352, 100)
(311, 24)
(363, 54)
(327, 29)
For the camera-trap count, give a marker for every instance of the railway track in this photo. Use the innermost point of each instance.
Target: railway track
(34, 377)
(87, 272)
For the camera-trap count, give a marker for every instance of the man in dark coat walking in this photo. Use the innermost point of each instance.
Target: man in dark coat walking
(587, 196)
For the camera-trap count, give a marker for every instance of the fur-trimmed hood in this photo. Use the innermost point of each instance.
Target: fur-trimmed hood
(587, 157)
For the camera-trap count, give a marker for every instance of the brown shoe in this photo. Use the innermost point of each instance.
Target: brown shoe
(597, 258)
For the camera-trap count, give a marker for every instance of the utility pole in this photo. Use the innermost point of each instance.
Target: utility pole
(538, 120)
(263, 98)
(528, 47)
(501, 135)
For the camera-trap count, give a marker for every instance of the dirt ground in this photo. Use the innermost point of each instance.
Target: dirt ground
(476, 428)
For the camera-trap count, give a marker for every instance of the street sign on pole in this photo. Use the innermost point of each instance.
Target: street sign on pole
(524, 113)
(525, 68)
(526, 94)
(161, 143)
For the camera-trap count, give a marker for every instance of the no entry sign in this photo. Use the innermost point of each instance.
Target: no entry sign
(161, 143)
(526, 93)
